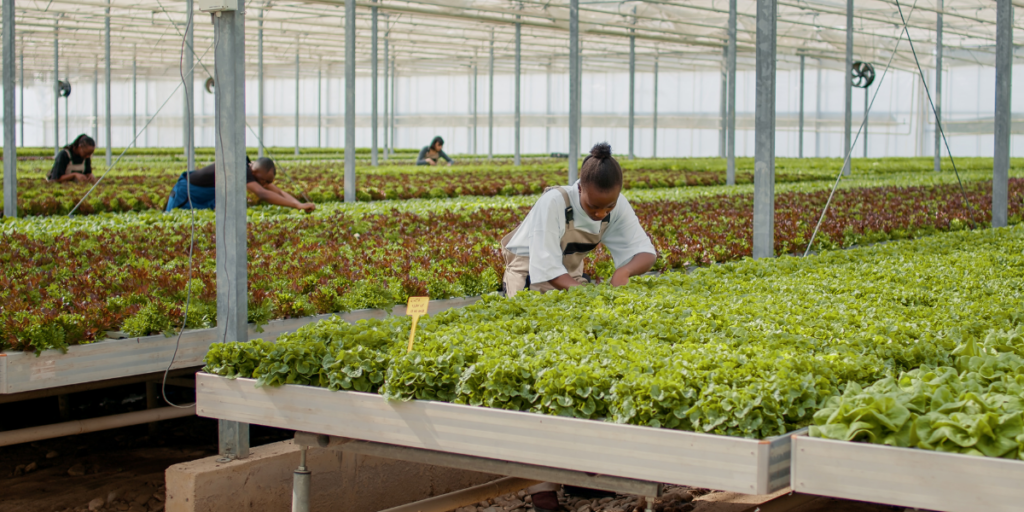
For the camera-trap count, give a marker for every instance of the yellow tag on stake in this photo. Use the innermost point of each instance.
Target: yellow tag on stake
(417, 306)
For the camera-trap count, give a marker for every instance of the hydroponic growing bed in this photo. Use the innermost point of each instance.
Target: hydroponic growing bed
(115, 358)
(657, 455)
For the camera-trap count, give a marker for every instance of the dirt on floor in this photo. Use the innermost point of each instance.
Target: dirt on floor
(680, 499)
(113, 470)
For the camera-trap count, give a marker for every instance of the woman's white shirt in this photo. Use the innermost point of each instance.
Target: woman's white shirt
(539, 236)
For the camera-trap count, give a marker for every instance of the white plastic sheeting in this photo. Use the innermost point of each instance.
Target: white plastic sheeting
(439, 104)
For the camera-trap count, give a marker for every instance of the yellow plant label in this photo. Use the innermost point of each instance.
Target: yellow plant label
(417, 306)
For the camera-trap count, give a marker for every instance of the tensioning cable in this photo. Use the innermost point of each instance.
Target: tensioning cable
(849, 150)
(938, 122)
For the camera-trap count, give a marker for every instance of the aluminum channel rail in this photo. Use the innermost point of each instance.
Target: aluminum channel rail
(906, 477)
(479, 464)
(625, 451)
(114, 359)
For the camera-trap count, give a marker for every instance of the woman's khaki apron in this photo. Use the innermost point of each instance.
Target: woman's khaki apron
(72, 166)
(575, 245)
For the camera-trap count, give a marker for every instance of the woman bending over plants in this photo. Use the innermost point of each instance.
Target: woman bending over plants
(546, 251)
(74, 162)
(195, 189)
(432, 154)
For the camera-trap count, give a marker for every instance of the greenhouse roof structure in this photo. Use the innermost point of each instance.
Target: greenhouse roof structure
(450, 36)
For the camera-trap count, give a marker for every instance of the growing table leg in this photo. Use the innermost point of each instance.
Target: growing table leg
(300, 485)
(234, 440)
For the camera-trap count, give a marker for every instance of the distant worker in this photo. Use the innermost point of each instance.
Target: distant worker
(74, 162)
(259, 180)
(546, 251)
(432, 154)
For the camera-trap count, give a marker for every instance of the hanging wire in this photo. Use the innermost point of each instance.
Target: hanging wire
(130, 144)
(191, 243)
(284, 172)
(849, 150)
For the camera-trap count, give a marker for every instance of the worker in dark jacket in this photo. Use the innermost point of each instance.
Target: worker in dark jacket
(195, 189)
(432, 154)
(74, 162)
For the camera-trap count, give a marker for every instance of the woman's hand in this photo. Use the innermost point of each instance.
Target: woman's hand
(431, 161)
(307, 207)
(620, 277)
(638, 265)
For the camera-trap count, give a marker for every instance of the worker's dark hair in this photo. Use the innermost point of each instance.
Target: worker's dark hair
(266, 164)
(435, 141)
(601, 169)
(81, 140)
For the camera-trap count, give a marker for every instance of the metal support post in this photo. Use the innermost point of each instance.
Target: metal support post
(106, 85)
(230, 214)
(135, 95)
(56, 92)
(764, 131)
(476, 103)
(817, 115)
(297, 95)
(654, 132)
(259, 81)
(800, 141)
(21, 99)
(394, 103)
(319, 105)
(491, 100)
(67, 112)
(867, 106)
(730, 129)
(518, 88)
(350, 101)
(938, 88)
(1004, 73)
(190, 98)
(301, 484)
(723, 108)
(848, 85)
(10, 139)
(574, 88)
(373, 87)
(96, 100)
(547, 110)
(632, 86)
(387, 123)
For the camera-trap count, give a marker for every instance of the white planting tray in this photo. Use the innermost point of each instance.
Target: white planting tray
(642, 453)
(906, 477)
(112, 359)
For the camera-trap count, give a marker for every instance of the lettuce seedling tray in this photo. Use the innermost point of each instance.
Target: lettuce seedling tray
(735, 464)
(906, 477)
(113, 359)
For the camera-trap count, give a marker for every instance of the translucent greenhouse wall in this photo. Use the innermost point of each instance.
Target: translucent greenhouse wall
(901, 123)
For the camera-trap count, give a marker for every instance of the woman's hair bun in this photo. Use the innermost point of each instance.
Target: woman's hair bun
(601, 151)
